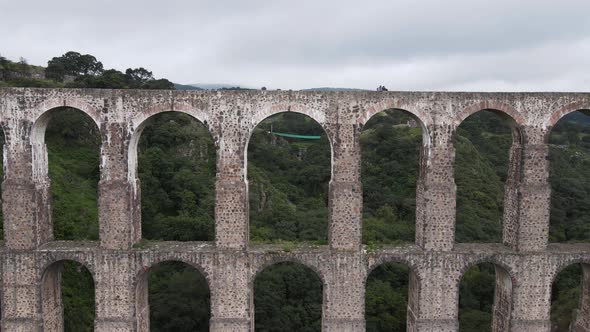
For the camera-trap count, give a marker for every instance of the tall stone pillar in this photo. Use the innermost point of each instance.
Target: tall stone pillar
(534, 195)
(229, 282)
(502, 308)
(21, 297)
(344, 294)
(27, 225)
(116, 292)
(511, 194)
(413, 301)
(433, 305)
(532, 296)
(118, 197)
(52, 309)
(345, 196)
(25, 191)
(231, 194)
(436, 192)
(231, 294)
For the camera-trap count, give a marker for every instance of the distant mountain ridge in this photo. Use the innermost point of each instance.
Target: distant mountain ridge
(213, 86)
(333, 89)
(185, 87)
(219, 86)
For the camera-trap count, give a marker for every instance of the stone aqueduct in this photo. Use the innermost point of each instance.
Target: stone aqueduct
(525, 263)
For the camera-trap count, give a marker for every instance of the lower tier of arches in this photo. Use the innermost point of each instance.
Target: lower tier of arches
(523, 283)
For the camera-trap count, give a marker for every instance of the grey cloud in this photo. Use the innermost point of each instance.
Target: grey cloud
(384, 32)
(421, 44)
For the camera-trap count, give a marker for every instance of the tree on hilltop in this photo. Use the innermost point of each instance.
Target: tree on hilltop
(139, 74)
(73, 64)
(4, 62)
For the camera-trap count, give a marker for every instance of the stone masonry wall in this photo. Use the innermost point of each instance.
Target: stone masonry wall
(526, 264)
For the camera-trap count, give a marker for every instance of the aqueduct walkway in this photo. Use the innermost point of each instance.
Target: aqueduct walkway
(526, 265)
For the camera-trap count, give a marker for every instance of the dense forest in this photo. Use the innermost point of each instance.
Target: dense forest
(288, 179)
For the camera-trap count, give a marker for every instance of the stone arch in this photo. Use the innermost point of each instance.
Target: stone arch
(273, 260)
(566, 263)
(39, 126)
(562, 149)
(496, 106)
(142, 119)
(422, 118)
(266, 112)
(199, 114)
(261, 116)
(47, 106)
(423, 158)
(203, 270)
(515, 122)
(305, 113)
(137, 126)
(49, 260)
(308, 269)
(52, 307)
(142, 308)
(581, 320)
(414, 287)
(555, 116)
(503, 291)
(397, 260)
(491, 259)
(40, 157)
(393, 103)
(512, 118)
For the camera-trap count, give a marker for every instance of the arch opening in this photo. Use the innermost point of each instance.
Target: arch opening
(569, 178)
(393, 145)
(485, 298)
(174, 158)
(390, 298)
(570, 299)
(66, 162)
(287, 297)
(288, 169)
(487, 155)
(67, 298)
(172, 296)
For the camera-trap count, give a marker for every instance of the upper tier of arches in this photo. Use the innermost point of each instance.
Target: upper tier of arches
(231, 116)
(231, 123)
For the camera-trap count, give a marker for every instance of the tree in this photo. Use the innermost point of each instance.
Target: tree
(4, 62)
(73, 64)
(109, 79)
(23, 67)
(139, 75)
(161, 84)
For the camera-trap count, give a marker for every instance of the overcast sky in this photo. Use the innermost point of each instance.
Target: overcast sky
(499, 45)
